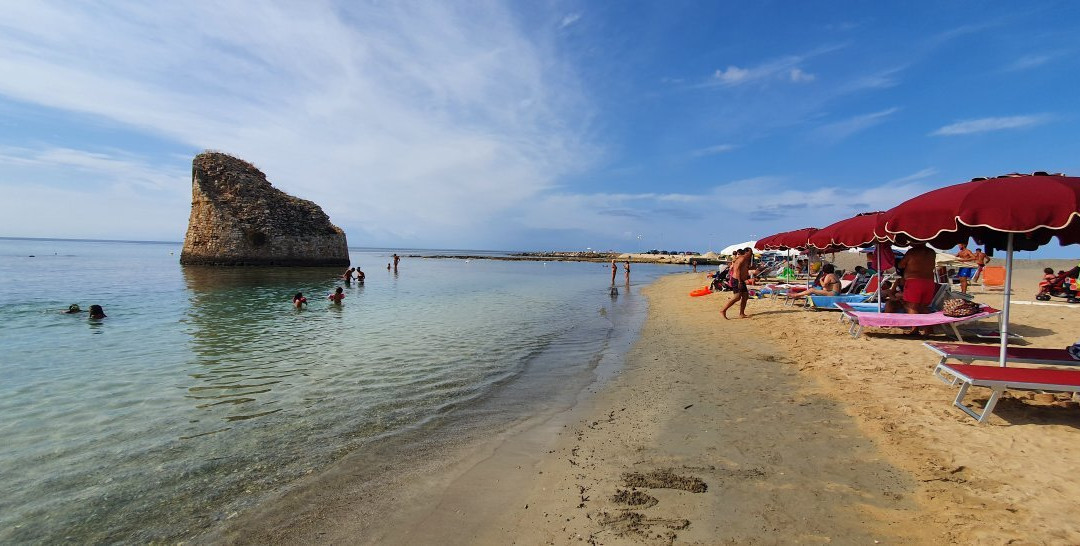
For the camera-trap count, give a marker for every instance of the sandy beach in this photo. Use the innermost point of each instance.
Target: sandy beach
(776, 429)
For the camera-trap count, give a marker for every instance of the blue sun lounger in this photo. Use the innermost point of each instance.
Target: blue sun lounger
(828, 303)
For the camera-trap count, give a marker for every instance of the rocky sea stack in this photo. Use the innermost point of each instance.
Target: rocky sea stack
(238, 218)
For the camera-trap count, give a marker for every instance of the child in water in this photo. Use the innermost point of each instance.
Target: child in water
(337, 296)
(299, 300)
(96, 312)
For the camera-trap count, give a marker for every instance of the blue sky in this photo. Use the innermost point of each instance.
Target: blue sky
(528, 125)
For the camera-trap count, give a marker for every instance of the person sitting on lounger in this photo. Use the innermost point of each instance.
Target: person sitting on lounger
(891, 297)
(830, 285)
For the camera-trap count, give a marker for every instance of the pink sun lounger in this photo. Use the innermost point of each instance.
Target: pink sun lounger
(1028, 355)
(860, 320)
(997, 379)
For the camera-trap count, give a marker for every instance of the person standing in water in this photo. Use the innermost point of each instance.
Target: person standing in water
(337, 296)
(360, 276)
(396, 260)
(626, 266)
(96, 312)
(614, 269)
(299, 300)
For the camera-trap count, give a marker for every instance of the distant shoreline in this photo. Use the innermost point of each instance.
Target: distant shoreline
(594, 257)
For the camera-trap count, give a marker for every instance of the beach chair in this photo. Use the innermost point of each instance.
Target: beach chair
(847, 280)
(828, 303)
(859, 291)
(862, 319)
(1028, 355)
(998, 379)
(993, 276)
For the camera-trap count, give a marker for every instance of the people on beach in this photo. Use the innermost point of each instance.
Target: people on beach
(299, 300)
(626, 267)
(693, 264)
(1049, 278)
(614, 269)
(830, 285)
(919, 287)
(980, 262)
(72, 309)
(337, 296)
(965, 255)
(891, 297)
(96, 312)
(738, 273)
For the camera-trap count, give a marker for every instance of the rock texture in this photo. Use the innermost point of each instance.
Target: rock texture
(238, 218)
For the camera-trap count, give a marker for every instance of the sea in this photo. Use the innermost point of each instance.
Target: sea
(204, 392)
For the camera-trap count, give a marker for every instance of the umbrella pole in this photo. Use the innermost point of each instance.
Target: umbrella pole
(1004, 330)
(877, 254)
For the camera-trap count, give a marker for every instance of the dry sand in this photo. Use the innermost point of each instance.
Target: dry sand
(776, 429)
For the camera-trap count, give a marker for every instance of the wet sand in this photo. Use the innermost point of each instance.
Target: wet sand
(779, 428)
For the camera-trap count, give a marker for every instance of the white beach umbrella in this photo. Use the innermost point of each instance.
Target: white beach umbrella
(729, 250)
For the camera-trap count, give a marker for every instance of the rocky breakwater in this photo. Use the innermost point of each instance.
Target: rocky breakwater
(238, 218)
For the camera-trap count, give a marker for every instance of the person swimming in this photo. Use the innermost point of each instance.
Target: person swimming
(299, 300)
(96, 312)
(72, 309)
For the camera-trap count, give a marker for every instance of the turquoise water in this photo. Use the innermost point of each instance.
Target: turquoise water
(204, 390)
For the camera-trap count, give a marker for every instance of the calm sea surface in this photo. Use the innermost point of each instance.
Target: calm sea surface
(204, 390)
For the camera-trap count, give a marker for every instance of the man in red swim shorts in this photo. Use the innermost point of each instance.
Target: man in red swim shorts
(919, 286)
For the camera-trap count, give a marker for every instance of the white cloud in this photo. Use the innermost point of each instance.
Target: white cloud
(840, 130)
(401, 120)
(726, 213)
(569, 20)
(713, 150)
(798, 76)
(103, 194)
(914, 177)
(984, 125)
(732, 75)
(784, 68)
(1029, 61)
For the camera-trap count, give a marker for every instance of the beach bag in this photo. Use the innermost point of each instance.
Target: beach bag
(957, 308)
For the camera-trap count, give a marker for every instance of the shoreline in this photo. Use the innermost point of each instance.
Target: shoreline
(376, 494)
(797, 432)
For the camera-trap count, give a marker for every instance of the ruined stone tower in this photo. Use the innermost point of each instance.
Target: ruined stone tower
(238, 218)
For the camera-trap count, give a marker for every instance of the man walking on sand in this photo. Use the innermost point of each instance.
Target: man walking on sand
(740, 271)
(980, 261)
(919, 286)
